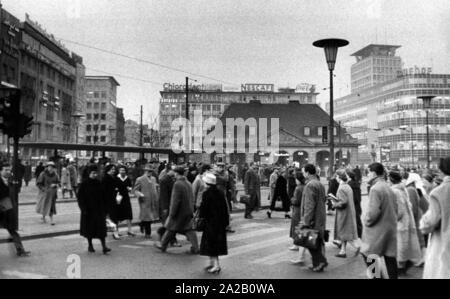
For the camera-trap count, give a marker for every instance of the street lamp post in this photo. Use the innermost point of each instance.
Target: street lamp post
(187, 127)
(331, 48)
(77, 117)
(427, 105)
(410, 130)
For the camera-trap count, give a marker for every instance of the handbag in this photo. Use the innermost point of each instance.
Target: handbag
(245, 199)
(6, 204)
(198, 223)
(306, 237)
(110, 226)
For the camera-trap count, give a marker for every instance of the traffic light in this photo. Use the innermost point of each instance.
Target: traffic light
(9, 110)
(24, 125)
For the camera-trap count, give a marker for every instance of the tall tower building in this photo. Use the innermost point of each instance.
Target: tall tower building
(375, 64)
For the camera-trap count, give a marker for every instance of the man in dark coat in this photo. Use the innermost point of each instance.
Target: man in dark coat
(358, 174)
(165, 193)
(40, 168)
(93, 206)
(313, 215)
(252, 187)
(181, 213)
(7, 217)
(27, 173)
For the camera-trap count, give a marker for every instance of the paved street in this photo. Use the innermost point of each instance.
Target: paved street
(258, 250)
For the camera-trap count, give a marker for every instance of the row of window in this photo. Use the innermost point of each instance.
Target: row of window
(95, 128)
(95, 139)
(96, 116)
(96, 105)
(97, 95)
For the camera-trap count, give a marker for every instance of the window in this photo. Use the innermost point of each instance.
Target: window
(103, 116)
(95, 128)
(89, 116)
(319, 131)
(335, 131)
(88, 139)
(307, 131)
(96, 94)
(96, 106)
(103, 95)
(103, 128)
(103, 138)
(96, 116)
(88, 128)
(89, 105)
(95, 139)
(103, 106)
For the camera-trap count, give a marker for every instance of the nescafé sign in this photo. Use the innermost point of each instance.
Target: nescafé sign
(257, 88)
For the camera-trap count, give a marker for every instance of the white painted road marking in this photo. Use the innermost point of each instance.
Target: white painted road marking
(24, 275)
(256, 233)
(254, 246)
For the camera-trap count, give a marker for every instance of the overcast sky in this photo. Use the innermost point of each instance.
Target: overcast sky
(253, 41)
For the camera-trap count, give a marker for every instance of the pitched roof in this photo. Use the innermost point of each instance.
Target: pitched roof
(291, 116)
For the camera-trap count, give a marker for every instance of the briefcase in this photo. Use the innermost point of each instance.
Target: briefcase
(245, 199)
(306, 237)
(6, 204)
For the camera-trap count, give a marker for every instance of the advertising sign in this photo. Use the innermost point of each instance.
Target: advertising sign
(257, 88)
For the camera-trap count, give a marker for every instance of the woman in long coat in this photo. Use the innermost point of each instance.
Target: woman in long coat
(296, 202)
(408, 247)
(436, 222)
(111, 189)
(214, 211)
(146, 191)
(124, 211)
(93, 206)
(47, 182)
(66, 185)
(281, 193)
(345, 224)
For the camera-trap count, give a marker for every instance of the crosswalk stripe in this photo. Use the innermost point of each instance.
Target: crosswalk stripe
(255, 233)
(252, 247)
(131, 246)
(146, 243)
(254, 224)
(24, 275)
(272, 259)
(68, 237)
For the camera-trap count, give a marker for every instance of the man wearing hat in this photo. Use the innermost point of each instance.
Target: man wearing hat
(146, 191)
(47, 183)
(181, 213)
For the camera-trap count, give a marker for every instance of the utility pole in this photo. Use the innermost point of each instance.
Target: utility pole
(141, 133)
(340, 145)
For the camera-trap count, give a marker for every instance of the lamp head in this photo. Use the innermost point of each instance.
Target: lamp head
(331, 45)
(426, 101)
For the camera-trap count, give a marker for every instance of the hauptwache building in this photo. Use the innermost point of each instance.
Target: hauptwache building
(386, 114)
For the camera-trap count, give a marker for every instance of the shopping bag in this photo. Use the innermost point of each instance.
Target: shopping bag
(6, 204)
(110, 226)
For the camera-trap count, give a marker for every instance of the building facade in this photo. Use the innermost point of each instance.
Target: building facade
(389, 119)
(213, 99)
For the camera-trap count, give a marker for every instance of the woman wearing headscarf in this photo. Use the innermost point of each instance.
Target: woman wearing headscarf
(214, 212)
(345, 225)
(124, 211)
(408, 247)
(93, 206)
(436, 222)
(47, 182)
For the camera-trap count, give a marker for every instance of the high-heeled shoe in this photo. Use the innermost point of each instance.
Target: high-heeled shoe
(319, 268)
(106, 250)
(116, 237)
(208, 268)
(215, 270)
(91, 249)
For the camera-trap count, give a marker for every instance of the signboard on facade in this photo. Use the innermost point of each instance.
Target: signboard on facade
(305, 87)
(192, 87)
(257, 88)
(415, 71)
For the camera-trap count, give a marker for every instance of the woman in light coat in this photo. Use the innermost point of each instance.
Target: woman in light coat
(146, 190)
(436, 222)
(66, 186)
(47, 182)
(408, 246)
(345, 225)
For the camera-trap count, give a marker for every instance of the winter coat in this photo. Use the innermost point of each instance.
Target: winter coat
(345, 222)
(145, 189)
(407, 241)
(7, 219)
(414, 199)
(252, 186)
(46, 205)
(356, 188)
(93, 206)
(380, 221)
(73, 175)
(272, 184)
(281, 193)
(198, 187)
(296, 202)
(312, 211)
(111, 189)
(65, 179)
(27, 175)
(436, 222)
(123, 209)
(214, 211)
(181, 208)
(165, 193)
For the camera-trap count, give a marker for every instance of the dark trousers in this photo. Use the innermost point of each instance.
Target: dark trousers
(147, 226)
(318, 254)
(16, 240)
(391, 266)
(170, 235)
(251, 205)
